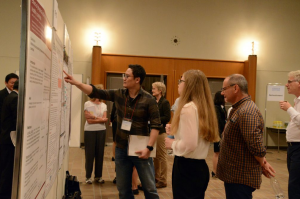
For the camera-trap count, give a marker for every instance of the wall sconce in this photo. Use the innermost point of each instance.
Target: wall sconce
(97, 38)
(254, 47)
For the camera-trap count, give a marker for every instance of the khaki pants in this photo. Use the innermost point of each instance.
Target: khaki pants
(160, 162)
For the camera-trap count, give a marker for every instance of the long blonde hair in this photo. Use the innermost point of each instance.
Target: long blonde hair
(196, 89)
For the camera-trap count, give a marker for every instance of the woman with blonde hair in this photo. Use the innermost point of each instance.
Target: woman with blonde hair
(194, 126)
(95, 112)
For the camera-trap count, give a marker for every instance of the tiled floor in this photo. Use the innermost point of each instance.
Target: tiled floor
(215, 188)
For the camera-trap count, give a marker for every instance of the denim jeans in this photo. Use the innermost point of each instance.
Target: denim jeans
(293, 164)
(238, 191)
(145, 169)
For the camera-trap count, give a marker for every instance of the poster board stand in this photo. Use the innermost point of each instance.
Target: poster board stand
(274, 92)
(41, 85)
(21, 90)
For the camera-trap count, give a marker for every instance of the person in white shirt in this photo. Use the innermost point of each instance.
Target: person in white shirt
(194, 126)
(293, 134)
(95, 112)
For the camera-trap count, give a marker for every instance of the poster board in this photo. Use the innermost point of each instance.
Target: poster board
(76, 113)
(36, 106)
(275, 92)
(40, 107)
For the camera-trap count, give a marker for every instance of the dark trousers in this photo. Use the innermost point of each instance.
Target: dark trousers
(293, 165)
(7, 154)
(189, 178)
(238, 191)
(94, 142)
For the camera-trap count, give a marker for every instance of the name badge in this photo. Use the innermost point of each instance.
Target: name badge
(126, 124)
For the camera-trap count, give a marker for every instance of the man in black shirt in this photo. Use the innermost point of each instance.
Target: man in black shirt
(135, 107)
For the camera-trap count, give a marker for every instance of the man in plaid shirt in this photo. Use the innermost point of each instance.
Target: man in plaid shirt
(135, 107)
(241, 160)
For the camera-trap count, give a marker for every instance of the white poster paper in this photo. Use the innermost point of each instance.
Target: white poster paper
(55, 109)
(275, 93)
(36, 104)
(55, 14)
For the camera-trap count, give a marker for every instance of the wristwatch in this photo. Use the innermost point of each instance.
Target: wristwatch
(150, 148)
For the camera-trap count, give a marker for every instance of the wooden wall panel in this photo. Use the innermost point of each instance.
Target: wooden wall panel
(211, 68)
(152, 65)
(250, 75)
(173, 68)
(96, 65)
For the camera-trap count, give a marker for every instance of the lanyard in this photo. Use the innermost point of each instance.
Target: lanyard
(133, 108)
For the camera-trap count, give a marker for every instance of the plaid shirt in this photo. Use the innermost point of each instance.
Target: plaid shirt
(242, 140)
(141, 109)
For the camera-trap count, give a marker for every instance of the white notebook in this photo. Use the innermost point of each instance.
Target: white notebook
(137, 143)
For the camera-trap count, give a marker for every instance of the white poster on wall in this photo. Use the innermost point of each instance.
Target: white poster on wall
(55, 14)
(64, 128)
(36, 104)
(275, 93)
(55, 111)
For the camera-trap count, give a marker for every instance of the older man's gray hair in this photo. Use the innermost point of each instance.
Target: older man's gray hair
(239, 80)
(295, 74)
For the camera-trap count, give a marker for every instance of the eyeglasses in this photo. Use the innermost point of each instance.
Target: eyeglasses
(180, 80)
(226, 87)
(291, 81)
(125, 76)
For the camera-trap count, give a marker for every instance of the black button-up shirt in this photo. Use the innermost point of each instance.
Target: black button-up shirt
(140, 110)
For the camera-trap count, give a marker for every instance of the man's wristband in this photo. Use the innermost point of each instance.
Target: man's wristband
(150, 148)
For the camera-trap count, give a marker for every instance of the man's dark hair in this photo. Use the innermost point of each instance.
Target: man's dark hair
(138, 71)
(16, 85)
(219, 99)
(10, 76)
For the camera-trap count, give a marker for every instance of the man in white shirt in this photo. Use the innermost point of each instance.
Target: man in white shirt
(293, 134)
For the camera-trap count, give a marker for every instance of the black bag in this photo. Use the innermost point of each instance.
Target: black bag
(75, 196)
(72, 189)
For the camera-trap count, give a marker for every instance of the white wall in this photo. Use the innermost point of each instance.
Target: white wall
(10, 23)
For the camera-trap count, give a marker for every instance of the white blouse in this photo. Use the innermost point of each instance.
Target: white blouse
(187, 142)
(100, 109)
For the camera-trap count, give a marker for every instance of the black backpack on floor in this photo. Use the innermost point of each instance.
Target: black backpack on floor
(72, 189)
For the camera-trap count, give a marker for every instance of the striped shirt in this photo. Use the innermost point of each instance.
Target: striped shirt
(242, 140)
(140, 110)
